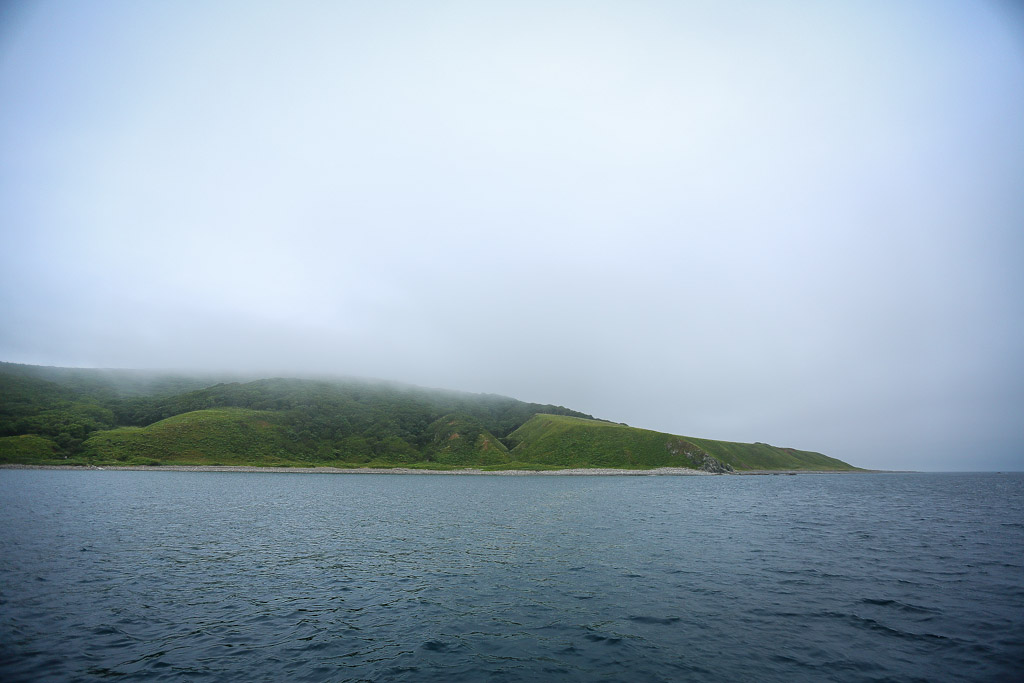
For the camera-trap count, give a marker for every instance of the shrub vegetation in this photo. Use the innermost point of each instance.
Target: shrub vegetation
(105, 417)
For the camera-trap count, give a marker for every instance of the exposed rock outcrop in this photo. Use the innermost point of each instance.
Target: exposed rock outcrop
(698, 457)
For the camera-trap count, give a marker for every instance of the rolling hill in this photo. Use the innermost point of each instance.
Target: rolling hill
(109, 417)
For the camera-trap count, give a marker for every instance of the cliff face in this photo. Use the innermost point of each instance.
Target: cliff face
(700, 459)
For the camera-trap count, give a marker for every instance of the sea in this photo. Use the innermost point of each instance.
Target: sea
(199, 576)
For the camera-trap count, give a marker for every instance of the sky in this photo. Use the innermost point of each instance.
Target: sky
(793, 222)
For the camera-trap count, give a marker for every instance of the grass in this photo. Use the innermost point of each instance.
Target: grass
(562, 441)
(86, 417)
(460, 440)
(237, 436)
(575, 442)
(761, 456)
(223, 436)
(30, 449)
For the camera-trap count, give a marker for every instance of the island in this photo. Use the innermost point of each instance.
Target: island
(126, 418)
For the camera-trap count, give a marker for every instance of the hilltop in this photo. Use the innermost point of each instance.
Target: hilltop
(120, 417)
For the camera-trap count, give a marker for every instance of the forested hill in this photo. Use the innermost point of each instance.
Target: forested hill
(327, 421)
(80, 416)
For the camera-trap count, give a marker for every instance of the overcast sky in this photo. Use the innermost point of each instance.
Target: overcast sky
(792, 222)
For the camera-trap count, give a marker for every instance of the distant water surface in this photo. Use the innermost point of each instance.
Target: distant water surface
(271, 577)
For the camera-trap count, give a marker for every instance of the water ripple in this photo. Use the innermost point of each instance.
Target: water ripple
(200, 576)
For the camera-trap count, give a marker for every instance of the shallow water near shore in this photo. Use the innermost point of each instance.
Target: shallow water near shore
(227, 576)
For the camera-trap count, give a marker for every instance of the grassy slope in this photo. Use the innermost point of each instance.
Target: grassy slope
(59, 415)
(227, 436)
(761, 456)
(334, 421)
(237, 436)
(462, 441)
(576, 442)
(29, 449)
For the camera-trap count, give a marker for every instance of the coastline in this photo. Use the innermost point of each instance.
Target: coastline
(572, 472)
(661, 471)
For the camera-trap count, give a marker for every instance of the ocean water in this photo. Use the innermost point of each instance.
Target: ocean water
(271, 577)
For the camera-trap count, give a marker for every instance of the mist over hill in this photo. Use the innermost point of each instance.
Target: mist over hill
(131, 417)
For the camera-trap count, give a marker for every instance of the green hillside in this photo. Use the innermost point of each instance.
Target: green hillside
(576, 442)
(108, 417)
(463, 441)
(761, 456)
(27, 449)
(226, 436)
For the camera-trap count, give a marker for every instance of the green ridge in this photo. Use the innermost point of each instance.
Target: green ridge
(106, 417)
(577, 442)
(28, 449)
(225, 436)
(761, 456)
(463, 441)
